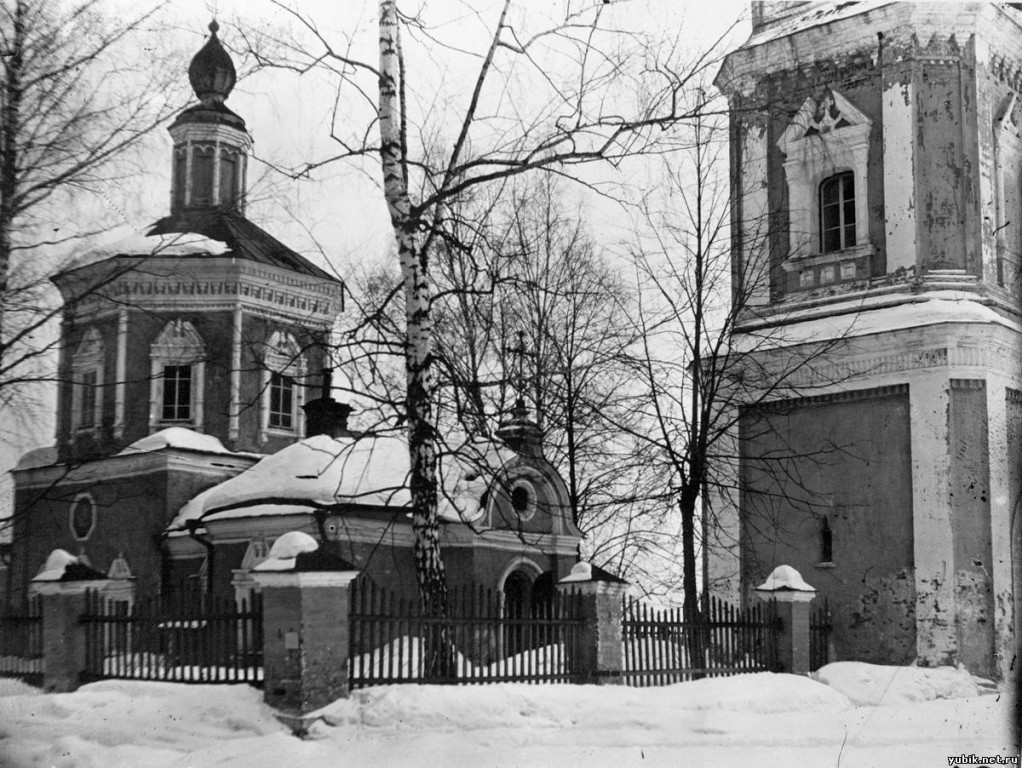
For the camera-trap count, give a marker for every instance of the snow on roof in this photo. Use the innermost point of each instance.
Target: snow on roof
(321, 471)
(868, 318)
(808, 15)
(138, 243)
(38, 457)
(176, 437)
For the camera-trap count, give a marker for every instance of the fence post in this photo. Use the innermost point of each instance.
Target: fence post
(792, 595)
(63, 584)
(597, 657)
(306, 605)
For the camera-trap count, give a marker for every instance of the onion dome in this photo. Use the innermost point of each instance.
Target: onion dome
(212, 72)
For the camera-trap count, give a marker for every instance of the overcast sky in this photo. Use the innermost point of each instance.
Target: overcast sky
(341, 211)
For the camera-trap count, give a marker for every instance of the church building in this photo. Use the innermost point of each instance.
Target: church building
(877, 238)
(195, 421)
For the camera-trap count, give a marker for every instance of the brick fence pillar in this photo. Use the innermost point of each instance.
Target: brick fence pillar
(306, 602)
(597, 658)
(62, 585)
(793, 596)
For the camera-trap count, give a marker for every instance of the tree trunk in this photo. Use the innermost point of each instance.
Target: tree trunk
(695, 638)
(10, 127)
(418, 353)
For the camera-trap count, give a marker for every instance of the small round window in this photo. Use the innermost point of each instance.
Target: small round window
(83, 518)
(523, 499)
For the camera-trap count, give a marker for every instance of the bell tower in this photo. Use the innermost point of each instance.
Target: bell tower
(876, 239)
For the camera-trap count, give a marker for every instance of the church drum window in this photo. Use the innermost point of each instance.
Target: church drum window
(282, 398)
(87, 379)
(202, 176)
(837, 212)
(87, 412)
(228, 177)
(177, 393)
(178, 373)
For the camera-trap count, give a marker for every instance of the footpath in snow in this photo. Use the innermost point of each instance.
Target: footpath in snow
(854, 715)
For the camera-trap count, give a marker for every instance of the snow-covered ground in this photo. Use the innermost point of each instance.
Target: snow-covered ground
(907, 717)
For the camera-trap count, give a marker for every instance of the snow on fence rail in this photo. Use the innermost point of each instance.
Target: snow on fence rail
(661, 647)
(21, 642)
(189, 641)
(483, 640)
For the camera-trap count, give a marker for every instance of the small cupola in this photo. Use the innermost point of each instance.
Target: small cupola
(211, 143)
(520, 433)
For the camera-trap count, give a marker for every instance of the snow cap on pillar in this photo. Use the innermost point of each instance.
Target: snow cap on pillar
(583, 572)
(62, 566)
(785, 583)
(298, 552)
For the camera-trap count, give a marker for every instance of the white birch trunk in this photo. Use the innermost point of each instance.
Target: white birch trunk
(418, 350)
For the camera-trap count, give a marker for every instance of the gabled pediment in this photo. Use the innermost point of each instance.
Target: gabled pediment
(827, 114)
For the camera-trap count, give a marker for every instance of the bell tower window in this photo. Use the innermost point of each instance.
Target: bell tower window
(837, 212)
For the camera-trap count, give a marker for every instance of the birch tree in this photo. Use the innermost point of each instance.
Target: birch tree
(554, 90)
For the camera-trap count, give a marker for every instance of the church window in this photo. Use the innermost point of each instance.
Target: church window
(83, 517)
(826, 542)
(177, 393)
(202, 176)
(228, 177)
(180, 176)
(837, 212)
(826, 152)
(284, 367)
(87, 382)
(282, 397)
(523, 499)
(178, 368)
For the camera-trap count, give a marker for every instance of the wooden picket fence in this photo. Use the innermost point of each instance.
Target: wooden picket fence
(483, 640)
(661, 647)
(820, 626)
(192, 640)
(21, 642)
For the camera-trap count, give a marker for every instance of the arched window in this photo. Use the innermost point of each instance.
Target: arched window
(178, 376)
(202, 175)
(284, 367)
(87, 382)
(837, 212)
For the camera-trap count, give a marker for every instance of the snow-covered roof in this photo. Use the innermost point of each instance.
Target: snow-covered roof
(38, 457)
(139, 243)
(881, 314)
(176, 437)
(321, 471)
